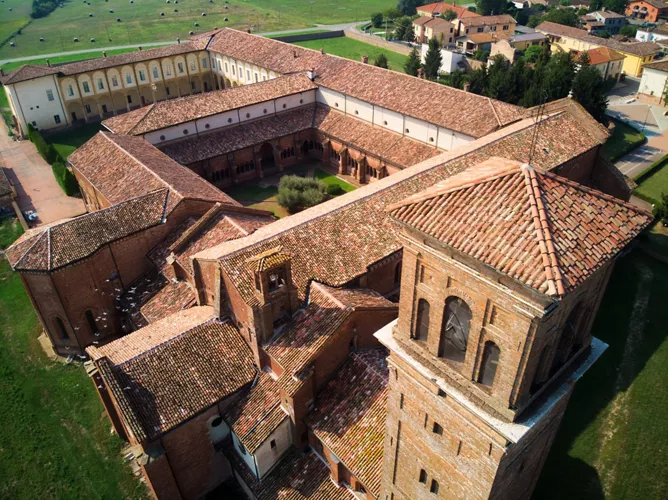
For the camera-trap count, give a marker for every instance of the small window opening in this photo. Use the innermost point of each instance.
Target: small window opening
(423, 476)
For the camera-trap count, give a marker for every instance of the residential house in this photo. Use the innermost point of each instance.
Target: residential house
(483, 24)
(609, 62)
(654, 83)
(440, 8)
(646, 10)
(569, 39)
(427, 28)
(657, 34)
(604, 20)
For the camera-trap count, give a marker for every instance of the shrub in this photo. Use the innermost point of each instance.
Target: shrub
(65, 179)
(297, 193)
(661, 210)
(334, 190)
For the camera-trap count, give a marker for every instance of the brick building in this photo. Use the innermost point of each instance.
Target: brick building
(224, 343)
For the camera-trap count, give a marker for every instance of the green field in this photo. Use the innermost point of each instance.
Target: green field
(305, 32)
(10, 22)
(64, 59)
(650, 187)
(55, 439)
(613, 440)
(10, 230)
(353, 49)
(66, 142)
(141, 21)
(624, 139)
(333, 180)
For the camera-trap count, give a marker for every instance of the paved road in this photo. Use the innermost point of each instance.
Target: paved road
(639, 159)
(328, 27)
(36, 187)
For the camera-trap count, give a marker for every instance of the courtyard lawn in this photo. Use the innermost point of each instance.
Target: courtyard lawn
(141, 21)
(624, 139)
(331, 179)
(10, 230)
(66, 142)
(613, 440)
(652, 185)
(65, 59)
(354, 49)
(55, 440)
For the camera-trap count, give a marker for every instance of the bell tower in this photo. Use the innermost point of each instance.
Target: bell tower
(493, 331)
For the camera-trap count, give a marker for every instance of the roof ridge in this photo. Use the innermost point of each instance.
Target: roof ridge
(540, 219)
(37, 240)
(192, 230)
(320, 286)
(496, 115)
(148, 112)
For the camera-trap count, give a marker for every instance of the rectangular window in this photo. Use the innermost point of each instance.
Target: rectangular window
(49, 95)
(128, 79)
(434, 486)
(142, 75)
(169, 70)
(86, 87)
(273, 444)
(129, 99)
(180, 66)
(505, 27)
(204, 62)
(401, 401)
(100, 84)
(114, 81)
(87, 106)
(256, 78)
(192, 85)
(70, 91)
(226, 68)
(480, 30)
(437, 429)
(56, 118)
(248, 75)
(233, 70)
(155, 72)
(193, 66)
(167, 90)
(423, 476)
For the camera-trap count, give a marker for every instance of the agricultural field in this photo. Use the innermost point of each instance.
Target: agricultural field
(63, 59)
(141, 21)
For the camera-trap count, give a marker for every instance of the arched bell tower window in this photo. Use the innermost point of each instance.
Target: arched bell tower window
(422, 323)
(455, 329)
(490, 363)
(397, 274)
(90, 319)
(569, 335)
(60, 327)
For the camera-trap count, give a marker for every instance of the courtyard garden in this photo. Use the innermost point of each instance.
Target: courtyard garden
(624, 139)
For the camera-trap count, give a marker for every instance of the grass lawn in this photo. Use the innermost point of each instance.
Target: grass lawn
(624, 139)
(66, 142)
(306, 32)
(10, 22)
(55, 440)
(141, 21)
(354, 49)
(613, 440)
(10, 230)
(64, 59)
(4, 100)
(650, 187)
(331, 179)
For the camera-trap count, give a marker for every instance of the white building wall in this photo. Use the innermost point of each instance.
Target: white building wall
(417, 129)
(648, 36)
(182, 130)
(266, 456)
(33, 103)
(652, 82)
(449, 140)
(294, 101)
(389, 119)
(331, 98)
(359, 109)
(243, 453)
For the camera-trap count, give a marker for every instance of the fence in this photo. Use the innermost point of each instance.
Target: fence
(379, 42)
(310, 36)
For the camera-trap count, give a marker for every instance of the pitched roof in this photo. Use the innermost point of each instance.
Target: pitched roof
(440, 7)
(538, 228)
(348, 234)
(439, 25)
(657, 65)
(5, 185)
(607, 14)
(602, 55)
(488, 20)
(175, 374)
(654, 3)
(27, 72)
(122, 167)
(460, 111)
(349, 415)
(168, 113)
(633, 48)
(257, 413)
(51, 247)
(298, 476)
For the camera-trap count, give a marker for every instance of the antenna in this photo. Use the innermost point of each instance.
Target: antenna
(540, 113)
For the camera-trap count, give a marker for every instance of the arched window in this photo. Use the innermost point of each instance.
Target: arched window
(422, 323)
(455, 329)
(490, 362)
(541, 371)
(397, 274)
(568, 338)
(60, 327)
(90, 318)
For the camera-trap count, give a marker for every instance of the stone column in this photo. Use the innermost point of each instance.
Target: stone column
(343, 161)
(361, 170)
(326, 149)
(258, 163)
(127, 104)
(277, 157)
(232, 162)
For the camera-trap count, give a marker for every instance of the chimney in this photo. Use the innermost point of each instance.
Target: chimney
(139, 48)
(48, 63)
(294, 53)
(104, 54)
(2, 72)
(178, 40)
(322, 51)
(311, 74)
(365, 59)
(603, 9)
(420, 73)
(466, 86)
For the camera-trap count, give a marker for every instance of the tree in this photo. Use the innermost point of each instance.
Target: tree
(377, 19)
(412, 64)
(629, 30)
(565, 3)
(409, 7)
(588, 89)
(403, 29)
(449, 15)
(381, 61)
(531, 54)
(480, 54)
(558, 75)
(615, 5)
(433, 59)
(392, 13)
(567, 17)
(661, 210)
(477, 80)
(604, 34)
(297, 193)
(488, 7)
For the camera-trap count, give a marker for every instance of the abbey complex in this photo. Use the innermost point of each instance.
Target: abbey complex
(416, 338)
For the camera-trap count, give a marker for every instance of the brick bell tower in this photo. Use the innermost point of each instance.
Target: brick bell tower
(493, 329)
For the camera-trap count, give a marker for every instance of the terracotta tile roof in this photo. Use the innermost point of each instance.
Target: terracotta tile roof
(160, 382)
(460, 111)
(488, 37)
(168, 113)
(538, 228)
(122, 167)
(257, 413)
(69, 241)
(268, 260)
(658, 65)
(297, 476)
(422, 20)
(633, 48)
(348, 234)
(5, 185)
(27, 72)
(441, 7)
(242, 136)
(438, 25)
(654, 3)
(488, 20)
(602, 55)
(349, 415)
(174, 297)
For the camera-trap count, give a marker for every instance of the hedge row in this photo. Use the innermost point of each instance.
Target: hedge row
(63, 176)
(645, 174)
